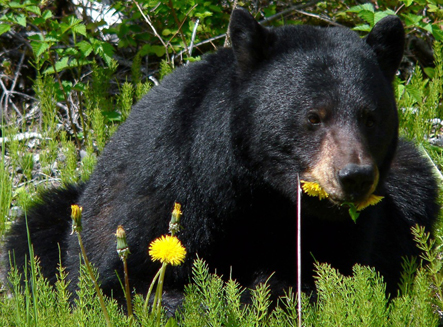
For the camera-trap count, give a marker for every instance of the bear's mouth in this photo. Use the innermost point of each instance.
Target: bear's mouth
(360, 202)
(352, 183)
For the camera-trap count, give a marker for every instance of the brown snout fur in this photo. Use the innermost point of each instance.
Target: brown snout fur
(338, 149)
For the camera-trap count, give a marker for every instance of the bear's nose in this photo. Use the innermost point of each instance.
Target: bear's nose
(357, 180)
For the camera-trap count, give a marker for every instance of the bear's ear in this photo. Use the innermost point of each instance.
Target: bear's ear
(250, 41)
(387, 39)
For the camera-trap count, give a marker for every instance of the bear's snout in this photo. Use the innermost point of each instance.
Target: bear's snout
(357, 181)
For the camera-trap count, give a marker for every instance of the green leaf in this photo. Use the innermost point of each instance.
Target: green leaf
(437, 33)
(72, 21)
(36, 37)
(407, 2)
(59, 66)
(364, 7)
(203, 15)
(47, 14)
(382, 14)
(363, 28)
(218, 9)
(193, 59)
(112, 116)
(85, 48)
(156, 49)
(104, 50)
(353, 211)
(367, 16)
(365, 12)
(37, 21)
(14, 4)
(80, 29)
(81, 87)
(414, 93)
(63, 28)
(167, 32)
(429, 71)
(67, 85)
(34, 9)
(21, 20)
(49, 38)
(70, 52)
(427, 27)
(4, 28)
(412, 20)
(39, 48)
(400, 90)
(66, 62)
(171, 323)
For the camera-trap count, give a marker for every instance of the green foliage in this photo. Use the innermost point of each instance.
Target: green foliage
(174, 24)
(5, 190)
(432, 257)
(68, 162)
(45, 90)
(142, 89)
(88, 164)
(125, 99)
(50, 32)
(357, 300)
(351, 301)
(409, 12)
(369, 15)
(98, 125)
(420, 108)
(409, 269)
(415, 308)
(57, 45)
(165, 69)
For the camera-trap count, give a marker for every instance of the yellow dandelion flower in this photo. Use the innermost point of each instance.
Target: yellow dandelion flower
(76, 215)
(314, 189)
(167, 249)
(76, 212)
(177, 211)
(371, 201)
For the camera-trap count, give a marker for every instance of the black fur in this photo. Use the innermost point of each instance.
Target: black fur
(49, 221)
(226, 138)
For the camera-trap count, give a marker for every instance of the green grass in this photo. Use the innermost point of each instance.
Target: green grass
(357, 300)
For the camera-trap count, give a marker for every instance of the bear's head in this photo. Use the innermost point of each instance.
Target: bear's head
(317, 102)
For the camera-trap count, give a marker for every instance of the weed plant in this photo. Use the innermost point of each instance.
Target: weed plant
(5, 191)
(358, 300)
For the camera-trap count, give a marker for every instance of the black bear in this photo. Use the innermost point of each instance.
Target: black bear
(226, 137)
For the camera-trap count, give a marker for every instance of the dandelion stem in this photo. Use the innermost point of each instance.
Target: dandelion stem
(97, 289)
(145, 306)
(127, 291)
(158, 294)
(123, 252)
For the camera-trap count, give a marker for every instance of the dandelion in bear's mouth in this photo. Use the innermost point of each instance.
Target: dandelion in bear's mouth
(371, 201)
(314, 189)
(167, 249)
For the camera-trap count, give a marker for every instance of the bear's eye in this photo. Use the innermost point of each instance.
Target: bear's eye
(314, 118)
(370, 122)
